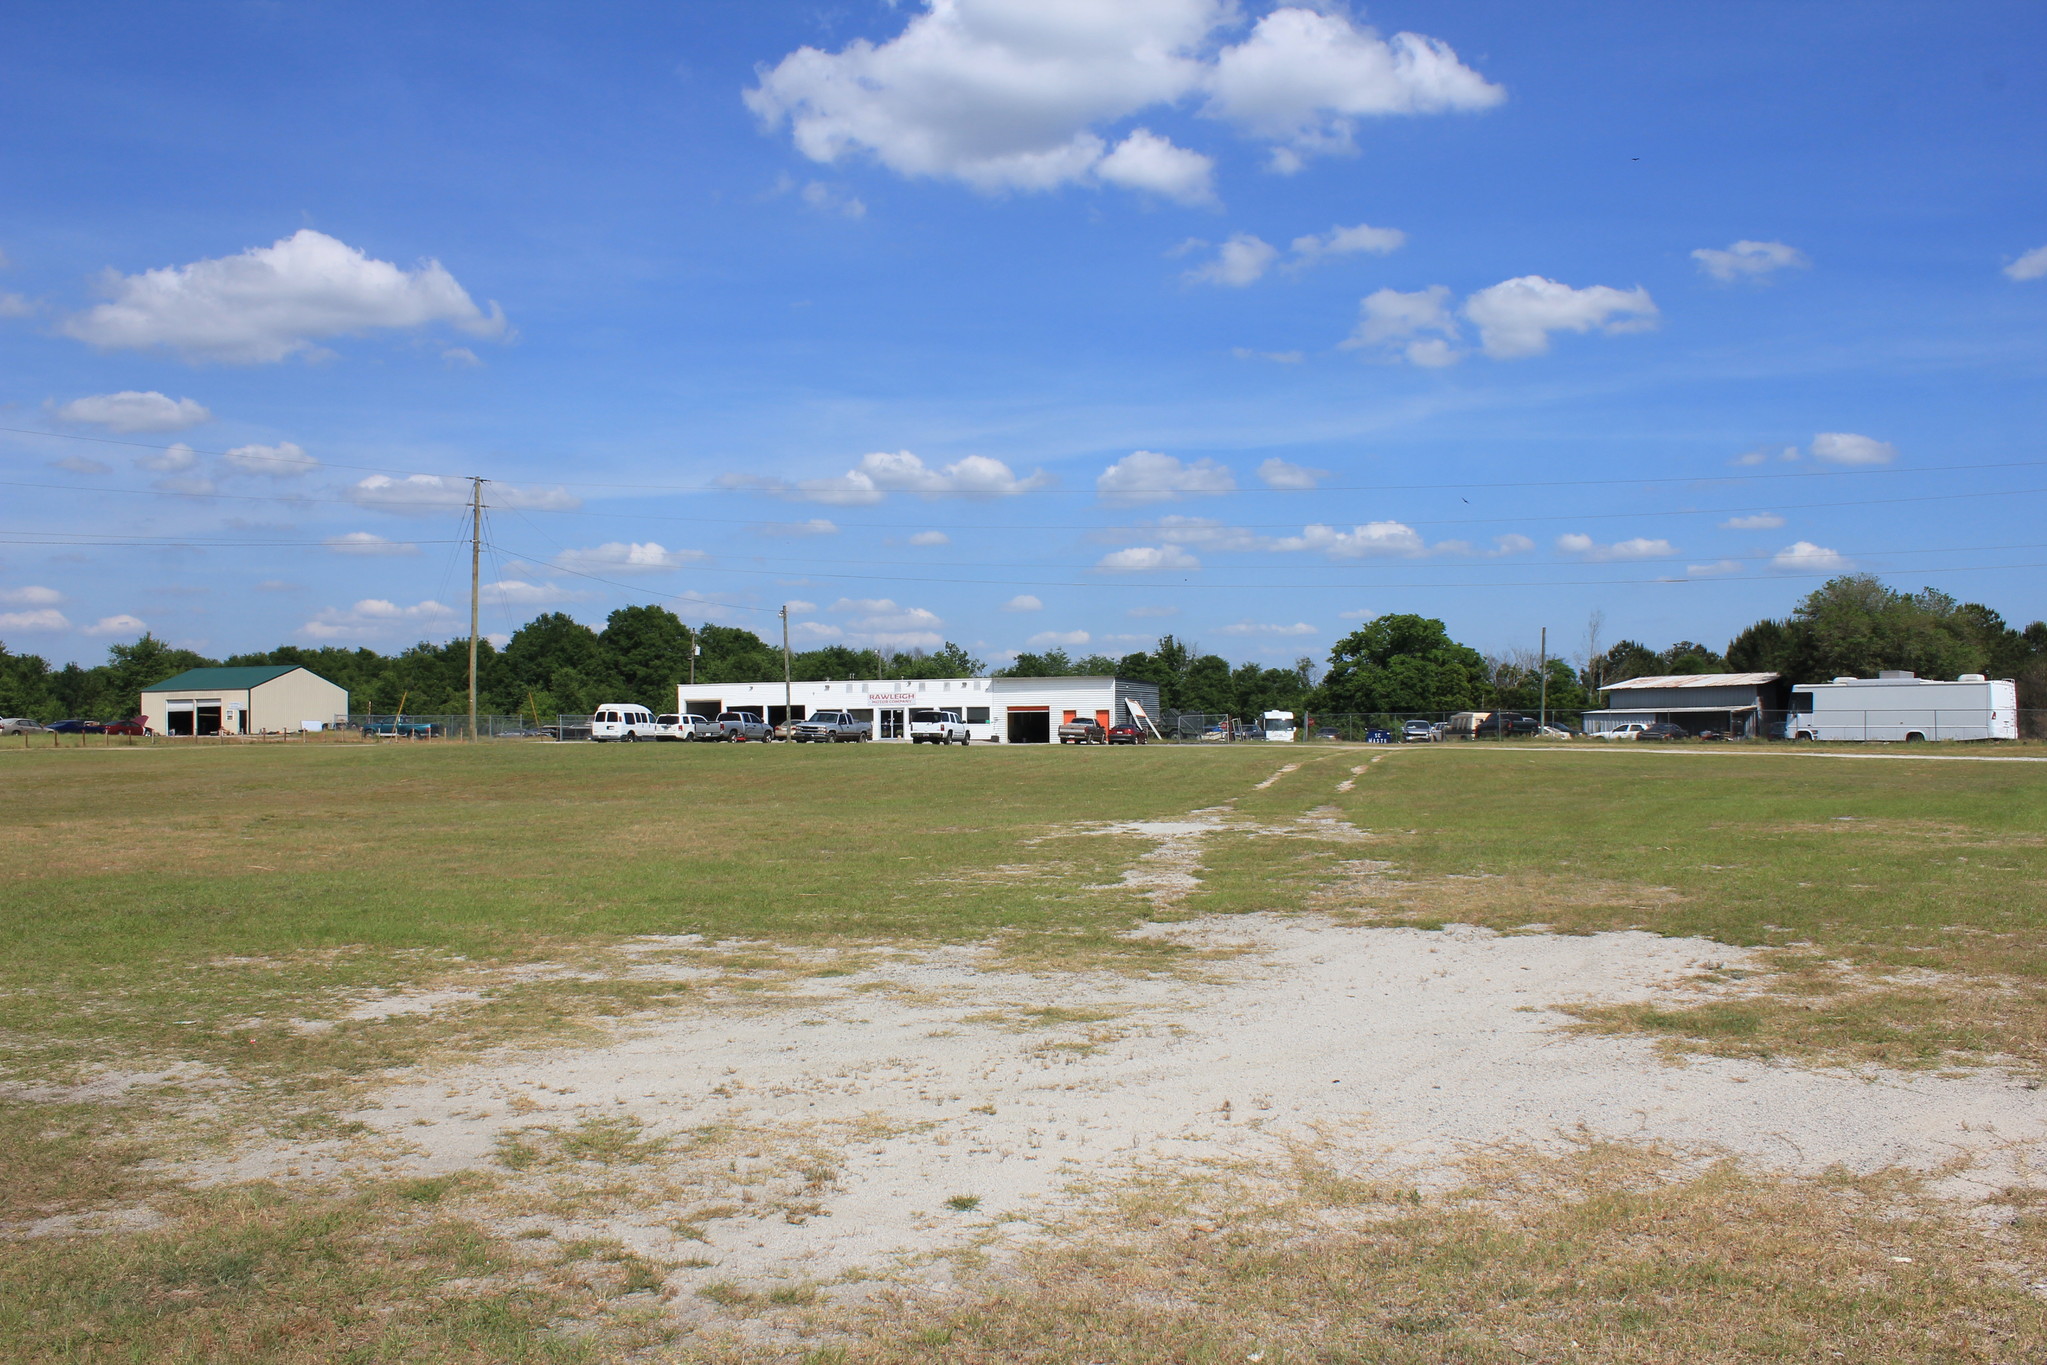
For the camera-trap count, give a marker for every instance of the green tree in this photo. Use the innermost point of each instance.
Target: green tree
(1403, 662)
(645, 652)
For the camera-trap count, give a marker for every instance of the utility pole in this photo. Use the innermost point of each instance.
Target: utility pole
(1543, 665)
(788, 710)
(475, 588)
(692, 656)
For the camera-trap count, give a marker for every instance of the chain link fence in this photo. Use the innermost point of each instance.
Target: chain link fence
(1871, 726)
(413, 726)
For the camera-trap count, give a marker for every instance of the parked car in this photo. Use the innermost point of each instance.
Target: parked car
(938, 727)
(830, 727)
(21, 725)
(135, 725)
(1556, 731)
(1082, 730)
(1129, 734)
(683, 728)
(1663, 729)
(76, 727)
(737, 727)
(1418, 732)
(1632, 730)
(623, 722)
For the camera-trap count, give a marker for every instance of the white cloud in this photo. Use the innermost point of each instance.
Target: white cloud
(1146, 559)
(130, 410)
(625, 557)
(1147, 476)
(1016, 94)
(816, 526)
(123, 624)
(1346, 241)
(15, 306)
(1303, 77)
(831, 199)
(366, 544)
(1207, 533)
(1241, 260)
(174, 459)
(375, 617)
(1373, 538)
(1276, 357)
(1510, 544)
(1759, 456)
(1256, 628)
(271, 302)
(2031, 266)
(1805, 557)
(518, 592)
(1748, 260)
(931, 538)
(425, 494)
(1418, 324)
(1063, 639)
(1277, 473)
(79, 464)
(46, 619)
(882, 472)
(1147, 162)
(1639, 547)
(461, 358)
(1759, 521)
(1515, 317)
(1023, 602)
(281, 461)
(880, 622)
(30, 596)
(1845, 447)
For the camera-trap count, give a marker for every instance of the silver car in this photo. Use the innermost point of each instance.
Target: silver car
(20, 725)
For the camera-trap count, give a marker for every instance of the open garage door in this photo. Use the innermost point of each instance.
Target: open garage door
(1030, 725)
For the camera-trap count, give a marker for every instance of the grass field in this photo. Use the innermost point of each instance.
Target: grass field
(188, 934)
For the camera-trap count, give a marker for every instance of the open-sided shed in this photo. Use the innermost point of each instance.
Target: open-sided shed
(1731, 703)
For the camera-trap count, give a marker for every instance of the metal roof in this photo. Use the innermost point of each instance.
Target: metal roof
(1693, 680)
(223, 679)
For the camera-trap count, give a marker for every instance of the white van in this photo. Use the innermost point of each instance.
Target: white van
(623, 721)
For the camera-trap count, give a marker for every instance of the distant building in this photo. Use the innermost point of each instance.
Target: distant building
(258, 700)
(1731, 703)
(1004, 710)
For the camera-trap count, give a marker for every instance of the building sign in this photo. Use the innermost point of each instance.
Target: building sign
(891, 696)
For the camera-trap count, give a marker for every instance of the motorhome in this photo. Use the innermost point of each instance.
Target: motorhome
(1896, 706)
(1279, 727)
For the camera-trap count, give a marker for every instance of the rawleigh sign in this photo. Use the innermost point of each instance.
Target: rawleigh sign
(891, 696)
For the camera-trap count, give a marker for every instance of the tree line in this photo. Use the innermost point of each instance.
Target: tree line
(1402, 662)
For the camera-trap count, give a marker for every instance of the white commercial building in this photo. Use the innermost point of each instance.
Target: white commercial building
(257, 700)
(996, 710)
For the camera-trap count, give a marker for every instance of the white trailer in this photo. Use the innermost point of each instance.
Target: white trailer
(1898, 706)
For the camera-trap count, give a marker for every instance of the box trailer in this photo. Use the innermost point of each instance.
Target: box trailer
(1900, 707)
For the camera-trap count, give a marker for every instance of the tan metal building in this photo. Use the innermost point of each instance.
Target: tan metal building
(259, 700)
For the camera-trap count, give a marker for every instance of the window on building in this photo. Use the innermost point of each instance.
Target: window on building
(977, 715)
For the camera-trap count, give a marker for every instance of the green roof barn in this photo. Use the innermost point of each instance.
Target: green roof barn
(261, 699)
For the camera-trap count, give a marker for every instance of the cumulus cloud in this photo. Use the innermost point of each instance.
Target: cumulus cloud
(1147, 476)
(368, 545)
(1639, 547)
(30, 595)
(1147, 559)
(1347, 241)
(626, 557)
(831, 199)
(2030, 266)
(1748, 260)
(374, 617)
(1845, 447)
(1515, 317)
(46, 619)
(281, 461)
(130, 410)
(1062, 639)
(883, 472)
(1760, 456)
(1255, 628)
(1009, 95)
(1277, 473)
(1241, 260)
(1759, 521)
(816, 526)
(1207, 533)
(122, 624)
(1802, 556)
(880, 622)
(1417, 325)
(922, 538)
(173, 459)
(518, 592)
(1372, 539)
(426, 494)
(1510, 544)
(1023, 602)
(269, 303)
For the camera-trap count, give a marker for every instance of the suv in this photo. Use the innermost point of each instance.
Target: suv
(684, 728)
(740, 726)
(938, 727)
(1418, 732)
(831, 727)
(1082, 730)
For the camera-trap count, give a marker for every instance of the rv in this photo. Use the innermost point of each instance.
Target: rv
(1897, 706)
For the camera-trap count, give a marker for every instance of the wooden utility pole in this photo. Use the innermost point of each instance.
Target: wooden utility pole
(475, 589)
(692, 657)
(1542, 656)
(788, 710)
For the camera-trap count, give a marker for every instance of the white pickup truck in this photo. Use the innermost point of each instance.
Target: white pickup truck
(938, 727)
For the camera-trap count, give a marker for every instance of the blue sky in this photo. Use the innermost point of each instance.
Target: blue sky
(1015, 323)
